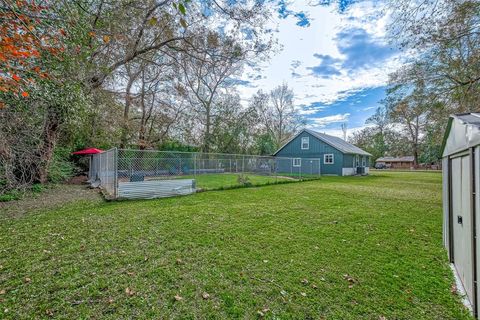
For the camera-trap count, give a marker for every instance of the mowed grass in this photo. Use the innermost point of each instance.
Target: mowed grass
(335, 248)
(229, 180)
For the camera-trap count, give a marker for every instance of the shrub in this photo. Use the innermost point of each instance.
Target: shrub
(243, 180)
(61, 167)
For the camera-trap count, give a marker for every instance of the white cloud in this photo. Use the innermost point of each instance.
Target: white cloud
(323, 121)
(301, 43)
(305, 112)
(339, 132)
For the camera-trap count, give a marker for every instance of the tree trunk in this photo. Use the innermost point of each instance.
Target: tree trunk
(126, 112)
(206, 142)
(51, 131)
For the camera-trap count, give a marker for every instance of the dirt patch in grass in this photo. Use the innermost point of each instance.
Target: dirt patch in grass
(52, 197)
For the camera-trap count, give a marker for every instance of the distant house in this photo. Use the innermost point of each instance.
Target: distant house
(337, 157)
(395, 162)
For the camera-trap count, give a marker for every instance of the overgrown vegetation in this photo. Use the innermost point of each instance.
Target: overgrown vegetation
(336, 248)
(139, 74)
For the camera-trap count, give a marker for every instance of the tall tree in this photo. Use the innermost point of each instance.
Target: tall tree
(277, 113)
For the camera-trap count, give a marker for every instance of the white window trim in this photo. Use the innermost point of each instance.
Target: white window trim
(325, 158)
(299, 162)
(307, 142)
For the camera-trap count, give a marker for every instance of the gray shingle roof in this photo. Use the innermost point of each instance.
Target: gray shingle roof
(396, 159)
(338, 143)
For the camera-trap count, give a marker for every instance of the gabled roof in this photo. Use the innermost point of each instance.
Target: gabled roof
(396, 159)
(463, 132)
(338, 143)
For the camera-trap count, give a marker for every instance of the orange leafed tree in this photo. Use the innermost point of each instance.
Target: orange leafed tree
(25, 41)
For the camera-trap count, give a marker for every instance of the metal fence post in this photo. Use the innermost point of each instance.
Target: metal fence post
(115, 170)
(300, 169)
(194, 165)
(243, 164)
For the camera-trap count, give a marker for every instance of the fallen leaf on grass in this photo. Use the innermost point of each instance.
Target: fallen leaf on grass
(130, 273)
(205, 296)
(49, 312)
(303, 294)
(2, 291)
(453, 288)
(263, 312)
(27, 280)
(351, 280)
(178, 298)
(382, 318)
(314, 286)
(265, 261)
(179, 261)
(305, 281)
(130, 292)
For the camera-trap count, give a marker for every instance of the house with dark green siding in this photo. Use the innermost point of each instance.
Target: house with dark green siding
(337, 156)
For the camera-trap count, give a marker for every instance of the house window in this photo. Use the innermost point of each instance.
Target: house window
(364, 161)
(305, 143)
(328, 158)
(297, 162)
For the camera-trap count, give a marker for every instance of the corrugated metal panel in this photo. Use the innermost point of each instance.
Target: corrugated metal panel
(462, 229)
(155, 188)
(477, 218)
(445, 194)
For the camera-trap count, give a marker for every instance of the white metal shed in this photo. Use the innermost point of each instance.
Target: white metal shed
(461, 202)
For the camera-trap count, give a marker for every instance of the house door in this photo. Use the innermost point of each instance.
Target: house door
(462, 222)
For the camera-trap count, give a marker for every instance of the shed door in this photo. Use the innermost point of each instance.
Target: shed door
(462, 222)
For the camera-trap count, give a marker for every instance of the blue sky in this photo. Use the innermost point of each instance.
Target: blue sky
(335, 55)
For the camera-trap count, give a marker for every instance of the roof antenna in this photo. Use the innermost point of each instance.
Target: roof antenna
(344, 129)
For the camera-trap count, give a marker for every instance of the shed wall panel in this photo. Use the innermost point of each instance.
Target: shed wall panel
(462, 231)
(445, 195)
(477, 218)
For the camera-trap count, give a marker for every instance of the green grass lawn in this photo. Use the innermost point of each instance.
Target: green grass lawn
(335, 248)
(228, 180)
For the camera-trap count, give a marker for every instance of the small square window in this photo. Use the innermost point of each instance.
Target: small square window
(297, 162)
(328, 158)
(305, 143)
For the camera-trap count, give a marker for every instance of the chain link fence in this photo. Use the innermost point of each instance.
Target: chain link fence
(103, 171)
(151, 174)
